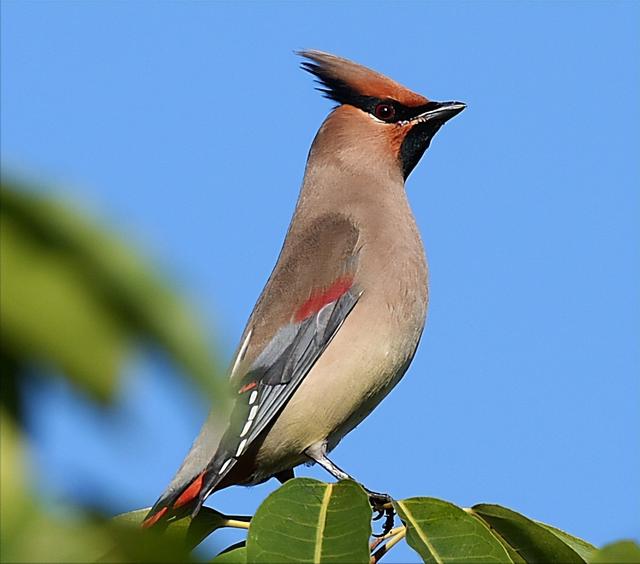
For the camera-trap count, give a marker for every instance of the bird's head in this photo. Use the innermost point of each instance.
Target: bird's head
(376, 118)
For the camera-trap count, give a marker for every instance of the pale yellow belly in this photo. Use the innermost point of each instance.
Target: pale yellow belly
(352, 376)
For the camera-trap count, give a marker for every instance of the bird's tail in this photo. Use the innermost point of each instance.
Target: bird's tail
(177, 503)
(197, 478)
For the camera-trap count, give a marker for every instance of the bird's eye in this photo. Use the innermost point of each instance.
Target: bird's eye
(384, 111)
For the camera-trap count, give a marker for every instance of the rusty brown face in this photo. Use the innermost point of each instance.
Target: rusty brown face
(395, 119)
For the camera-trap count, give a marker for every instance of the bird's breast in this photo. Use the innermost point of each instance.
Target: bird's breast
(366, 358)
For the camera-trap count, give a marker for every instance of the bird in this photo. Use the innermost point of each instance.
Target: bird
(342, 313)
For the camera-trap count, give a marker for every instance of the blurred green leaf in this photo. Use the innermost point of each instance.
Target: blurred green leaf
(235, 554)
(43, 539)
(309, 521)
(621, 552)
(530, 540)
(441, 532)
(82, 539)
(10, 370)
(48, 312)
(74, 296)
(15, 502)
(134, 544)
(187, 531)
(28, 534)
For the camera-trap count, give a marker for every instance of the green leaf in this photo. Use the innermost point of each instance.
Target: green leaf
(75, 296)
(43, 539)
(188, 531)
(50, 314)
(533, 542)
(142, 545)
(441, 533)
(582, 547)
(235, 554)
(15, 502)
(309, 521)
(72, 536)
(621, 552)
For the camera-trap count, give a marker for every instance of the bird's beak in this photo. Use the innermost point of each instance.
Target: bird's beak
(420, 129)
(439, 112)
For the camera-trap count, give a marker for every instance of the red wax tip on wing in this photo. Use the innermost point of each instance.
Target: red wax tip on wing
(190, 493)
(321, 298)
(247, 387)
(150, 521)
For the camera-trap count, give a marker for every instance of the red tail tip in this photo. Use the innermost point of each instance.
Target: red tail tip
(150, 521)
(190, 493)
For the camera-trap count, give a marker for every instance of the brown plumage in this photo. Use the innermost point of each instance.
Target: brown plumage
(342, 77)
(340, 317)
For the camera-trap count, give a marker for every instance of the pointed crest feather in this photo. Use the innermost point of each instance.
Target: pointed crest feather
(343, 80)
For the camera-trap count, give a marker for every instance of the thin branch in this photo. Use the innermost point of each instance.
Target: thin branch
(236, 523)
(387, 547)
(379, 540)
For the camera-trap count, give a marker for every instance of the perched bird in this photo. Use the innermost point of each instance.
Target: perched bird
(340, 317)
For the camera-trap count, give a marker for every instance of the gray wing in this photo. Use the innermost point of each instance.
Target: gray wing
(276, 374)
(308, 296)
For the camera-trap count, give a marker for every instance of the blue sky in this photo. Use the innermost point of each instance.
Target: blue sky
(186, 127)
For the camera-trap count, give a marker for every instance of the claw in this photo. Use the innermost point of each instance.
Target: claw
(389, 521)
(381, 503)
(379, 499)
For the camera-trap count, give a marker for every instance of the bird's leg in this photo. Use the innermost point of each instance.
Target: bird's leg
(381, 502)
(330, 467)
(378, 500)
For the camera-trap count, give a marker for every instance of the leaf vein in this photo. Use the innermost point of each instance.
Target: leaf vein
(322, 521)
(424, 539)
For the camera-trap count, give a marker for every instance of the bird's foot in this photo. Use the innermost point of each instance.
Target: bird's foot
(382, 504)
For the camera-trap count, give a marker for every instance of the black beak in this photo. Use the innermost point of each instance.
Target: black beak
(423, 127)
(440, 112)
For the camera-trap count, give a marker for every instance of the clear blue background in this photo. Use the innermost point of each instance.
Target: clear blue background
(186, 126)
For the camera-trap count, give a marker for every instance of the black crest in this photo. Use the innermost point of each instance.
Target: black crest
(332, 87)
